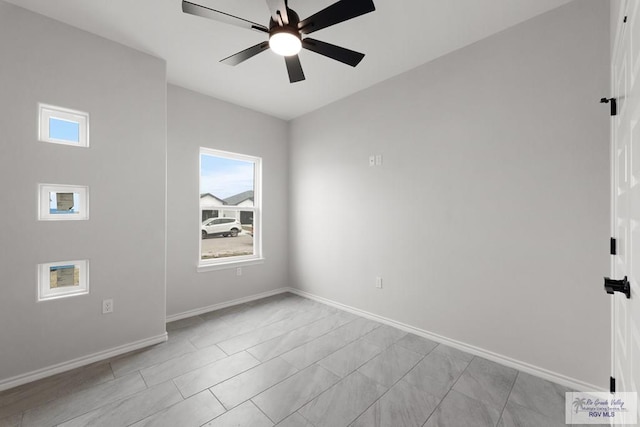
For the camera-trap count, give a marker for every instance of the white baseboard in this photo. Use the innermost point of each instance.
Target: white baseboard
(81, 361)
(202, 310)
(477, 351)
(537, 371)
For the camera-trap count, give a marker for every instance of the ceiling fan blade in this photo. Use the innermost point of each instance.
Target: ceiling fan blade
(246, 54)
(346, 56)
(294, 68)
(335, 14)
(206, 12)
(278, 10)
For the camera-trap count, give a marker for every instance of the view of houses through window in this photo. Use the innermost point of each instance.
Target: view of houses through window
(229, 207)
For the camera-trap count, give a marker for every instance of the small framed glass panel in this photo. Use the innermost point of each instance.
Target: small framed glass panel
(64, 130)
(63, 202)
(63, 126)
(63, 279)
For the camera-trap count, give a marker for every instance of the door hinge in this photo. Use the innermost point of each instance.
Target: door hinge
(624, 21)
(614, 105)
(613, 246)
(612, 385)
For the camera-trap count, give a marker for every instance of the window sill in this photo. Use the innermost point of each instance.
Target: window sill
(227, 265)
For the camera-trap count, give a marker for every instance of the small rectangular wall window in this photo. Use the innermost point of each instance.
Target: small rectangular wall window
(63, 126)
(230, 208)
(63, 279)
(63, 202)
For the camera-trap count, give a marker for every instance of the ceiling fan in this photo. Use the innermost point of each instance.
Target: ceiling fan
(286, 29)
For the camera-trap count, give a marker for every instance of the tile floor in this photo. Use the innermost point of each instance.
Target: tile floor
(287, 361)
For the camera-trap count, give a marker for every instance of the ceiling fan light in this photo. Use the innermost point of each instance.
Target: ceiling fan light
(285, 43)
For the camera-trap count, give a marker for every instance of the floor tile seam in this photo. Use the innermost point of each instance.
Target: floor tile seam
(221, 318)
(405, 374)
(225, 410)
(226, 379)
(245, 333)
(161, 410)
(435, 379)
(404, 346)
(462, 373)
(209, 322)
(383, 347)
(125, 373)
(305, 418)
(225, 326)
(185, 354)
(113, 372)
(259, 409)
(51, 399)
(108, 402)
(139, 371)
(278, 355)
(546, 416)
(119, 401)
(513, 384)
(437, 406)
(268, 388)
(478, 401)
(456, 358)
(347, 342)
(330, 354)
(182, 327)
(277, 336)
(325, 333)
(498, 409)
(173, 380)
(307, 342)
(189, 371)
(312, 398)
(389, 388)
(276, 320)
(359, 366)
(360, 414)
(423, 356)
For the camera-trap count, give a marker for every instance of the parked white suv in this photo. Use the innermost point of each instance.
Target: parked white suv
(221, 227)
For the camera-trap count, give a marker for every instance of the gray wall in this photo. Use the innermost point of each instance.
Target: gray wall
(489, 219)
(125, 93)
(196, 121)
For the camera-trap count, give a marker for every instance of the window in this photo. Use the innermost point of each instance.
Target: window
(230, 208)
(63, 279)
(63, 202)
(63, 126)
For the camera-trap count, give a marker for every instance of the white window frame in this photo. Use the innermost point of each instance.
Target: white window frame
(236, 261)
(45, 292)
(43, 202)
(46, 112)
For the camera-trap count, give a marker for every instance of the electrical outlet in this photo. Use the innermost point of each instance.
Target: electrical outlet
(372, 160)
(107, 306)
(239, 271)
(379, 282)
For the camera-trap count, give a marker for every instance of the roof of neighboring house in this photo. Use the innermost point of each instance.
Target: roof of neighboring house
(217, 198)
(239, 198)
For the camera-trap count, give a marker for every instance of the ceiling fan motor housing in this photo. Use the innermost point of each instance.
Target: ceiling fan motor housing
(291, 27)
(285, 38)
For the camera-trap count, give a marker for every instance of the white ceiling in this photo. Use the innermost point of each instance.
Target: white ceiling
(398, 36)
